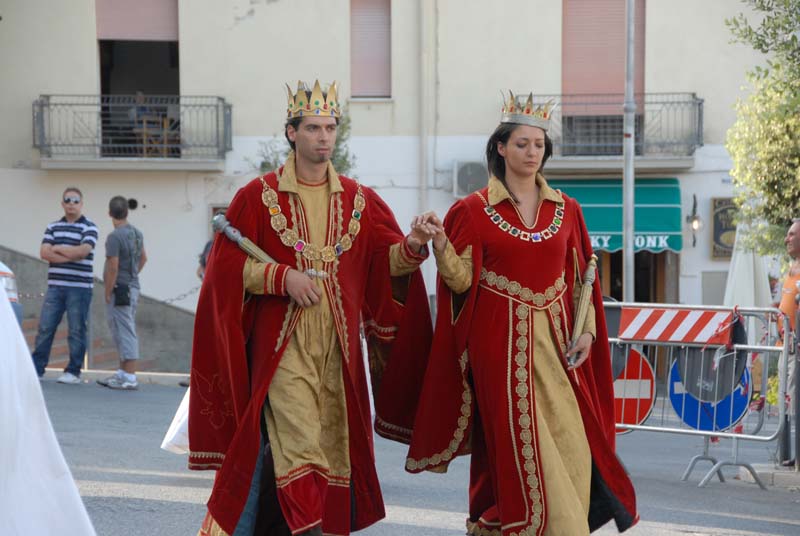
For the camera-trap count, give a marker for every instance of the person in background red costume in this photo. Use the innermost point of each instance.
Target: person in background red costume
(279, 404)
(541, 432)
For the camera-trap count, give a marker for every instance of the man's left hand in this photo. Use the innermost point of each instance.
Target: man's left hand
(582, 348)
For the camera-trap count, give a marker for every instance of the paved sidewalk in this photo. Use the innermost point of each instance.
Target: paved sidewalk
(169, 379)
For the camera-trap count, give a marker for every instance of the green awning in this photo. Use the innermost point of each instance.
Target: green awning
(657, 212)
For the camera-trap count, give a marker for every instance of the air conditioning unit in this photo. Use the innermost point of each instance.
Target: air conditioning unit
(469, 177)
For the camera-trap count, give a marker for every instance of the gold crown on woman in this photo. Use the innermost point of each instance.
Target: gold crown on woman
(312, 102)
(524, 112)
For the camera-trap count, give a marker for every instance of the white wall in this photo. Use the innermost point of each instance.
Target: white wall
(688, 49)
(46, 47)
(708, 179)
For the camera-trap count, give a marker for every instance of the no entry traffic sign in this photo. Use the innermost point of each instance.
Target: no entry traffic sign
(634, 391)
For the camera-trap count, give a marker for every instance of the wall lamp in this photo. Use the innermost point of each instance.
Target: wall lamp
(694, 221)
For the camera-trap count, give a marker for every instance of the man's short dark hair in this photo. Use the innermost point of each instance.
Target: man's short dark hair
(72, 189)
(118, 207)
(294, 122)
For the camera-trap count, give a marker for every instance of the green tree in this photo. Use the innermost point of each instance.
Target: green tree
(778, 32)
(764, 143)
(272, 154)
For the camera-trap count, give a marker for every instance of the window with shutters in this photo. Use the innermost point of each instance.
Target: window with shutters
(371, 48)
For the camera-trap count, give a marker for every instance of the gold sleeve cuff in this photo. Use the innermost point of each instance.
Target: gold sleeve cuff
(454, 269)
(403, 261)
(265, 278)
(254, 276)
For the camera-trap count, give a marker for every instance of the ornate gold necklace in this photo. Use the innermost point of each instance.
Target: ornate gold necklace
(291, 237)
(544, 234)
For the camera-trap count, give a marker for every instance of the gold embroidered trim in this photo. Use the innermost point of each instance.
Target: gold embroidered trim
(474, 529)
(338, 289)
(218, 455)
(525, 422)
(204, 466)
(285, 327)
(555, 314)
(211, 528)
(394, 427)
(515, 289)
(386, 333)
(303, 470)
(458, 436)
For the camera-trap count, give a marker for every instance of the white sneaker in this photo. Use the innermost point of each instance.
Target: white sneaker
(69, 378)
(115, 382)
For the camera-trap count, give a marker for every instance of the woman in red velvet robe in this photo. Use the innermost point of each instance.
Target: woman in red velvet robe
(541, 433)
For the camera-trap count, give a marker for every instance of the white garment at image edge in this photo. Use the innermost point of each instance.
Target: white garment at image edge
(176, 439)
(37, 493)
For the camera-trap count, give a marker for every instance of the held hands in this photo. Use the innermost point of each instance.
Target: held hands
(582, 348)
(424, 228)
(302, 289)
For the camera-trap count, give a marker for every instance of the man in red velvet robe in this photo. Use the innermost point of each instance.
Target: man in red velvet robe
(279, 403)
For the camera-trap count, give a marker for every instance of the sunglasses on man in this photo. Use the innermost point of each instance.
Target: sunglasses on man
(74, 200)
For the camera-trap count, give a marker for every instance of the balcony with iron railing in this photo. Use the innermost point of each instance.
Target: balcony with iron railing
(132, 132)
(587, 131)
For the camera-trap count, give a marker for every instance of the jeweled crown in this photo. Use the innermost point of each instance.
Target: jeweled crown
(312, 102)
(524, 112)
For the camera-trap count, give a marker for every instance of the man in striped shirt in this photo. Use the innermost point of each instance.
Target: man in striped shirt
(68, 246)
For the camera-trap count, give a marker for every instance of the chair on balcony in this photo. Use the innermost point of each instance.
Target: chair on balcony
(149, 132)
(158, 136)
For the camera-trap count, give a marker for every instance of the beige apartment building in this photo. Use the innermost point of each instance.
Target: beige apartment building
(421, 80)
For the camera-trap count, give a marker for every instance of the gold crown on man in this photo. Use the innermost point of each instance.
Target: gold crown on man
(524, 112)
(313, 102)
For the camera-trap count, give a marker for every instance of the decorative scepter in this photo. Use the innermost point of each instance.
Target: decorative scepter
(583, 304)
(220, 224)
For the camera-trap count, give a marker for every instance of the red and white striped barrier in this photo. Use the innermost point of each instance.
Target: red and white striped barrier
(653, 324)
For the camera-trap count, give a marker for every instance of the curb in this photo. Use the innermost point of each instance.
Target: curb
(169, 379)
(779, 477)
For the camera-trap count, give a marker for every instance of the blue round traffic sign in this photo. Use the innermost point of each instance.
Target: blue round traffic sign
(709, 416)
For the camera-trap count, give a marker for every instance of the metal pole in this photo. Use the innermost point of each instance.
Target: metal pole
(628, 171)
(423, 116)
(794, 354)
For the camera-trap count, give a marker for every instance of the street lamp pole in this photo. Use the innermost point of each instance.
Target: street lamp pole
(628, 153)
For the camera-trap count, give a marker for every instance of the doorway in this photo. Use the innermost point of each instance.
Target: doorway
(140, 87)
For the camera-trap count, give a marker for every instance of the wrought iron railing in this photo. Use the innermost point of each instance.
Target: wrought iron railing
(132, 126)
(666, 124)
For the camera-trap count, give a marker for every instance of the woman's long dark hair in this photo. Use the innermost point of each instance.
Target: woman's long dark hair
(496, 163)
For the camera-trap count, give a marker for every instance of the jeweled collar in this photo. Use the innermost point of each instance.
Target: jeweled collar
(287, 180)
(498, 192)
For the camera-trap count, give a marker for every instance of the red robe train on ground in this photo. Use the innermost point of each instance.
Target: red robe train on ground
(240, 338)
(511, 326)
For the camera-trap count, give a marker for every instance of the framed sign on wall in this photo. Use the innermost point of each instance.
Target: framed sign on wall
(723, 228)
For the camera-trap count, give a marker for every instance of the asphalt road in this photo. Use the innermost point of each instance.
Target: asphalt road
(130, 486)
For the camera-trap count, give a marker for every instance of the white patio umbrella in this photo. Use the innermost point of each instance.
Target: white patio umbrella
(748, 279)
(748, 286)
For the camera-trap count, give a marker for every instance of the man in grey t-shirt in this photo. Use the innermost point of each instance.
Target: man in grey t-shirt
(125, 258)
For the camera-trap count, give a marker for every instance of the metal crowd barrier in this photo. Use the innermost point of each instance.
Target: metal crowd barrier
(689, 370)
